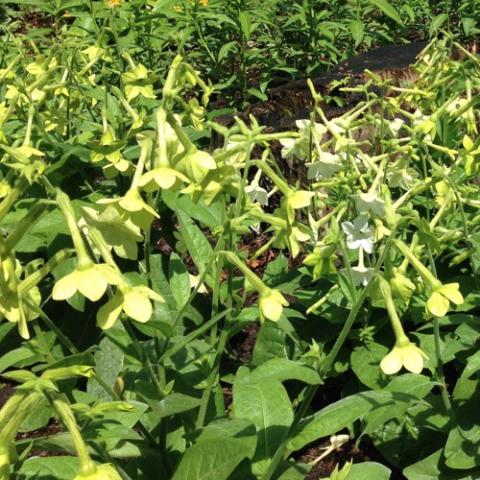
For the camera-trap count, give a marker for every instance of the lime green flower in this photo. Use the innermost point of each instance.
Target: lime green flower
(137, 83)
(161, 177)
(134, 301)
(196, 165)
(88, 278)
(402, 287)
(404, 354)
(119, 232)
(296, 200)
(109, 149)
(439, 302)
(134, 208)
(271, 303)
(322, 259)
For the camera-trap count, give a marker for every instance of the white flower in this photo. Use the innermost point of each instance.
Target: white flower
(326, 166)
(359, 234)
(401, 177)
(257, 194)
(361, 275)
(370, 202)
(395, 125)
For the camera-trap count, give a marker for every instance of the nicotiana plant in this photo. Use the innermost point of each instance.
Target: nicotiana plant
(127, 274)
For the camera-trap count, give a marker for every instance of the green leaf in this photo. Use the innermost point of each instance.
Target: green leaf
(339, 415)
(237, 428)
(212, 215)
(226, 49)
(195, 241)
(245, 24)
(368, 471)
(179, 280)
(294, 471)
(48, 468)
(462, 449)
(37, 418)
(267, 405)
(211, 459)
(357, 30)
(473, 365)
(281, 369)
(270, 343)
(13, 357)
(433, 468)
(108, 364)
(437, 23)
(365, 361)
(416, 385)
(387, 9)
(171, 405)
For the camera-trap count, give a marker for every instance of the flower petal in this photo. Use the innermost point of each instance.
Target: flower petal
(91, 283)
(300, 199)
(137, 306)
(412, 358)
(452, 292)
(108, 314)
(110, 275)
(438, 304)
(392, 363)
(65, 287)
(271, 305)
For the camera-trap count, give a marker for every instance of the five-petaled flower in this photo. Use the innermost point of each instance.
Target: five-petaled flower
(439, 302)
(359, 234)
(88, 278)
(134, 301)
(271, 304)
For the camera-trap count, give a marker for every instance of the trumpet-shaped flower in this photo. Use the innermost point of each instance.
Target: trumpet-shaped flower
(119, 233)
(359, 234)
(404, 354)
(132, 204)
(271, 304)
(109, 149)
(134, 301)
(326, 165)
(370, 202)
(257, 194)
(101, 472)
(20, 309)
(439, 302)
(161, 177)
(137, 83)
(361, 275)
(88, 278)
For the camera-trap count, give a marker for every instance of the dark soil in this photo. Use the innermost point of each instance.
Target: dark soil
(243, 343)
(6, 391)
(293, 100)
(35, 20)
(366, 452)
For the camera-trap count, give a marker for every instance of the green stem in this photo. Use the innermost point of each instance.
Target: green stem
(440, 371)
(222, 341)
